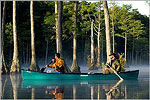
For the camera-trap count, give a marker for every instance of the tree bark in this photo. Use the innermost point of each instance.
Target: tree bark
(56, 19)
(4, 69)
(15, 67)
(59, 33)
(98, 41)
(125, 47)
(107, 26)
(113, 30)
(75, 67)
(46, 55)
(34, 66)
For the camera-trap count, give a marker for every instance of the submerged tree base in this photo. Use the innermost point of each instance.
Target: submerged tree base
(4, 68)
(75, 68)
(15, 67)
(34, 67)
(91, 66)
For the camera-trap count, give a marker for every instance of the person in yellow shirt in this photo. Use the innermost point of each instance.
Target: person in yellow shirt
(58, 64)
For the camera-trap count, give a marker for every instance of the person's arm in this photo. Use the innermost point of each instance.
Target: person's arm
(117, 66)
(52, 65)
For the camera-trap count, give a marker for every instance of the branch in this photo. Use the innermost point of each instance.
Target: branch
(95, 26)
(95, 30)
(96, 34)
(102, 28)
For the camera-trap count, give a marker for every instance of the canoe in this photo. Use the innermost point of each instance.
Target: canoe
(129, 75)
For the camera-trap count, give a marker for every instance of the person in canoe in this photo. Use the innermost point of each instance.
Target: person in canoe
(114, 63)
(58, 64)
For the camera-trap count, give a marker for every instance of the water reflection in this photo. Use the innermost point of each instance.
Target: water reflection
(114, 92)
(58, 92)
(15, 80)
(13, 87)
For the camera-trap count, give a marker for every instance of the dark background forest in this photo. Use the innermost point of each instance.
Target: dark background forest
(45, 30)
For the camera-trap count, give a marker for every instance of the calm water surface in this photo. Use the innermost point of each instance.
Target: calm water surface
(13, 87)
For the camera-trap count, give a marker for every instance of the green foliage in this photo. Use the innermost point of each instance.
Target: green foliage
(9, 32)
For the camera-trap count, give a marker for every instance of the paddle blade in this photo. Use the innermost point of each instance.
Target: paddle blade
(42, 70)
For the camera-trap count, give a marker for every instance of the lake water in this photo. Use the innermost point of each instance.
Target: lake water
(13, 87)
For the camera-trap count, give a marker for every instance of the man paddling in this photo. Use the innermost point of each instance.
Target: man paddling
(58, 64)
(113, 64)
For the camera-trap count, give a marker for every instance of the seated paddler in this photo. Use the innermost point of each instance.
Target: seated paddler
(114, 63)
(58, 64)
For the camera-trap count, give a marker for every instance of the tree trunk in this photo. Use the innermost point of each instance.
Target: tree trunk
(15, 67)
(125, 47)
(113, 30)
(107, 29)
(75, 68)
(34, 66)
(92, 63)
(102, 50)
(4, 69)
(46, 55)
(133, 53)
(56, 19)
(59, 25)
(98, 41)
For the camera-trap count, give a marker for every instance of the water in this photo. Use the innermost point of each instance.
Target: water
(13, 87)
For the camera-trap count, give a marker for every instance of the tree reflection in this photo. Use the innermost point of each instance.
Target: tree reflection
(74, 92)
(3, 85)
(15, 81)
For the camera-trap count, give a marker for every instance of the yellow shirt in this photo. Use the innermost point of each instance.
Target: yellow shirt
(59, 62)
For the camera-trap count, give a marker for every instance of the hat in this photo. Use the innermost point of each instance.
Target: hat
(114, 55)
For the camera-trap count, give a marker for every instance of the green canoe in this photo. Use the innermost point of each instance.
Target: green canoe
(129, 75)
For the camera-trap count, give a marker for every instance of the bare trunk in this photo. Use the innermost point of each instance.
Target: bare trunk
(59, 33)
(92, 63)
(15, 67)
(46, 55)
(125, 47)
(133, 53)
(33, 66)
(3, 65)
(113, 36)
(75, 68)
(56, 19)
(102, 50)
(113, 30)
(107, 29)
(98, 41)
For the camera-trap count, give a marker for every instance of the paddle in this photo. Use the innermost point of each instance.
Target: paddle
(42, 69)
(114, 72)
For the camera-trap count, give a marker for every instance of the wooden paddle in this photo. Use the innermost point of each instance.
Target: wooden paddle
(42, 69)
(114, 72)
